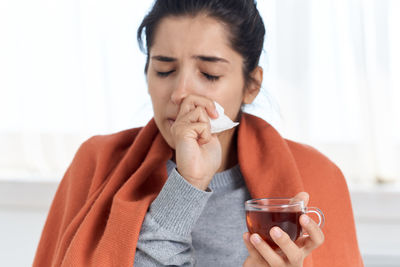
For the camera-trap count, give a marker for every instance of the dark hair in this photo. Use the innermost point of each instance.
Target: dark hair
(241, 17)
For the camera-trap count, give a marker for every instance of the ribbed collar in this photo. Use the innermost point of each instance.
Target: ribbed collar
(227, 180)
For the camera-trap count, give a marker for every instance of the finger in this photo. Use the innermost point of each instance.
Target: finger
(194, 125)
(199, 131)
(193, 101)
(204, 133)
(292, 252)
(268, 254)
(199, 114)
(316, 236)
(253, 252)
(302, 196)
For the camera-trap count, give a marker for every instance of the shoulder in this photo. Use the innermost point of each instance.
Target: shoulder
(97, 157)
(309, 156)
(104, 150)
(328, 191)
(115, 141)
(317, 170)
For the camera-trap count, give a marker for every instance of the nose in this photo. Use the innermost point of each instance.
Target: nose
(181, 90)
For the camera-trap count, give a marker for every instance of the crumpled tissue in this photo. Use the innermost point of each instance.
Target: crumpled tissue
(223, 122)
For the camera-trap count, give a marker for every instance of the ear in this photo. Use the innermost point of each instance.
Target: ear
(254, 86)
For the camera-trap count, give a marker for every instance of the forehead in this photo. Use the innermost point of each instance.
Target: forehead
(185, 35)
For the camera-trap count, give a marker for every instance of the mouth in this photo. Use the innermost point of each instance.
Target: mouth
(170, 121)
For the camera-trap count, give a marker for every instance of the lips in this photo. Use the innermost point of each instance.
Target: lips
(170, 121)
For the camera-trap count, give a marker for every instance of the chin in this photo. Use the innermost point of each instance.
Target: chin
(166, 134)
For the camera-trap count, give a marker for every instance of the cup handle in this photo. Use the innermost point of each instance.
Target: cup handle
(321, 217)
(319, 213)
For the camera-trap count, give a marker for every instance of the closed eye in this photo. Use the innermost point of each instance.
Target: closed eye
(211, 78)
(164, 74)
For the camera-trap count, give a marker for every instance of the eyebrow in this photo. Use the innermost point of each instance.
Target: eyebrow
(210, 59)
(198, 57)
(164, 58)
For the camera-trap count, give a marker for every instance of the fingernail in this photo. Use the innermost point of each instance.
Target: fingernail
(215, 112)
(305, 219)
(276, 232)
(256, 238)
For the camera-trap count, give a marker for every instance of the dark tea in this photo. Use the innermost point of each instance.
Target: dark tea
(261, 222)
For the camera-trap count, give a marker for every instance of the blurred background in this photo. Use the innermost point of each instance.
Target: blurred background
(73, 69)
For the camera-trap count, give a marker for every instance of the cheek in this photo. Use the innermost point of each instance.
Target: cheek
(159, 94)
(232, 98)
(232, 108)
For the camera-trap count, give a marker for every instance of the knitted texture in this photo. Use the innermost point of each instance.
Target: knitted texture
(98, 209)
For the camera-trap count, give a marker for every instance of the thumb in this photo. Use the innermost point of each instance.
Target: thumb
(304, 196)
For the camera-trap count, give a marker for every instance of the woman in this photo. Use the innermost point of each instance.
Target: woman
(172, 193)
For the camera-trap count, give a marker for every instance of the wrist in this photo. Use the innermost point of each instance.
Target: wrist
(178, 205)
(199, 183)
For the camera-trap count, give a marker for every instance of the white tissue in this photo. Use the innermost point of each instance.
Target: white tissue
(223, 122)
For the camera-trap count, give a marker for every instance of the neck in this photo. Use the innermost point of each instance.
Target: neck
(228, 140)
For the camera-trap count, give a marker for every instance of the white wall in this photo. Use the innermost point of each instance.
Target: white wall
(23, 211)
(24, 206)
(377, 215)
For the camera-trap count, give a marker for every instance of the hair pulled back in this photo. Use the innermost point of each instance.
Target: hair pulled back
(240, 17)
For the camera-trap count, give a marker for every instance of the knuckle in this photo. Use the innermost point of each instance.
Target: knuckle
(198, 109)
(208, 126)
(312, 226)
(184, 110)
(203, 112)
(186, 101)
(278, 263)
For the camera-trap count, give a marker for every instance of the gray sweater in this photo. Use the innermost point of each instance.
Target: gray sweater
(185, 226)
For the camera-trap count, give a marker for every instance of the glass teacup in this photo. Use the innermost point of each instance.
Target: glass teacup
(264, 213)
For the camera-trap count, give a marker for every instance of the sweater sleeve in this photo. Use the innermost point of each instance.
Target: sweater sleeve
(165, 236)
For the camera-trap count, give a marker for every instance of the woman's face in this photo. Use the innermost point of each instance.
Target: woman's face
(192, 55)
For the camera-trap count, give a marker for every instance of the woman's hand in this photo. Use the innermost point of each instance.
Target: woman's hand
(197, 151)
(289, 253)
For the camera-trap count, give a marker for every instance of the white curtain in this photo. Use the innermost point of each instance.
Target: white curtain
(72, 69)
(334, 68)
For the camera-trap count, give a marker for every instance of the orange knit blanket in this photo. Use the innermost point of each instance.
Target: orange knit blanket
(100, 204)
